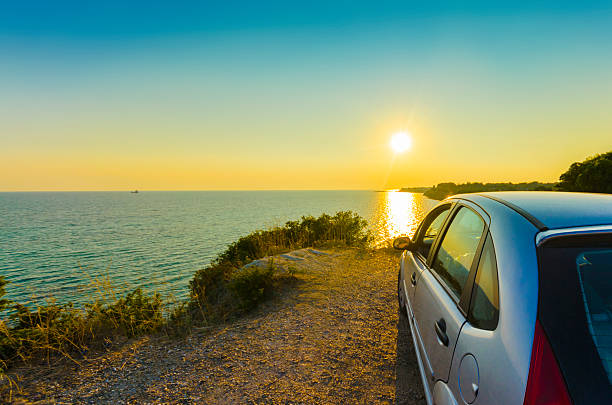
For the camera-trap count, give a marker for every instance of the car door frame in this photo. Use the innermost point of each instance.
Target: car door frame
(422, 228)
(464, 301)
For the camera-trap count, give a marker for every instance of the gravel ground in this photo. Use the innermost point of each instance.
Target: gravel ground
(333, 337)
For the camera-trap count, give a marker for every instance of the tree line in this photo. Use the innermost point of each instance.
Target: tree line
(593, 175)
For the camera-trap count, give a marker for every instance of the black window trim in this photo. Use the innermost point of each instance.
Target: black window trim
(472, 278)
(422, 228)
(462, 302)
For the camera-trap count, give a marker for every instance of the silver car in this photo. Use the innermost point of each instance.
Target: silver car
(509, 298)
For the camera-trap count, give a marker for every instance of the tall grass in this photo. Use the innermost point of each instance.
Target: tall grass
(219, 292)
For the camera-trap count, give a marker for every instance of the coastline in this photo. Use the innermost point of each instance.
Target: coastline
(330, 337)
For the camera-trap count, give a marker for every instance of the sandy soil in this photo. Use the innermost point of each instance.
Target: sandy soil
(333, 337)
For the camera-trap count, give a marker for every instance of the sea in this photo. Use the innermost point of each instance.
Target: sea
(65, 246)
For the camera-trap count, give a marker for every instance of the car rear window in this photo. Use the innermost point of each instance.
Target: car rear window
(575, 311)
(595, 276)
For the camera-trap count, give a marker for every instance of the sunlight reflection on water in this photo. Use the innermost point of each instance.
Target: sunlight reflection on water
(53, 244)
(398, 214)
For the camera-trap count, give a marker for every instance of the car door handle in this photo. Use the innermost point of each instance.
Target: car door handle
(440, 327)
(413, 279)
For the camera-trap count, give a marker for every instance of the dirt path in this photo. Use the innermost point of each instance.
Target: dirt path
(334, 338)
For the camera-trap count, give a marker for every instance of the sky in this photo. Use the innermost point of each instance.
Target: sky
(152, 95)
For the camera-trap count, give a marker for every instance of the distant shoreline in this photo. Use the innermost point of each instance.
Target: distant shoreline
(444, 190)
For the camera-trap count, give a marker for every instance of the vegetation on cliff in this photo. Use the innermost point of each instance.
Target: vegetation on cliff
(219, 292)
(224, 289)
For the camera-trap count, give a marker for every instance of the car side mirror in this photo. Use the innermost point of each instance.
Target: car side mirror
(403, 243)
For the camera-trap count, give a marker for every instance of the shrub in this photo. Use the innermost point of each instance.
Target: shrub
(252, 285)
(344, 227)
(210, 298)
(62, 329)
(220, 290)
(217, 293)
(4, 332)
(133, 315)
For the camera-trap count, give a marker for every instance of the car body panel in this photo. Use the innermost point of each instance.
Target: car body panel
(442, 395)
(411, 264)
(558, 209)
(503, 354)
(432, 304)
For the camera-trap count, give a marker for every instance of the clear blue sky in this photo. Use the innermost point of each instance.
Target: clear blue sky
(278, 95)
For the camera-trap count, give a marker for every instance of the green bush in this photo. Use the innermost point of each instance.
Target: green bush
(344, 227)
(5, 347)
(252, 285)
(221, 291)
(4, 303)
(133, 315)
(210, 297)
(65, 330)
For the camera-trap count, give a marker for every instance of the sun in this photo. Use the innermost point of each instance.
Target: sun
(401, 142)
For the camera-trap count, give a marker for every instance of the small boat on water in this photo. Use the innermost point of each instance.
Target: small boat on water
(134, 192)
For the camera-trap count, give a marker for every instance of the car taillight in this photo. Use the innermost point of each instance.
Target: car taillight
(545, 384)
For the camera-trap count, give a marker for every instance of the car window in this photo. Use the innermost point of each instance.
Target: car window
(595, 277)
(427, 237)
(484, 305)
(458, 248)
(575, 311)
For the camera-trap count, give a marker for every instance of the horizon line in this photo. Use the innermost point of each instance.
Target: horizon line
(170, 190)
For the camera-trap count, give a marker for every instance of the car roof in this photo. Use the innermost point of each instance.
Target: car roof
(550, 209)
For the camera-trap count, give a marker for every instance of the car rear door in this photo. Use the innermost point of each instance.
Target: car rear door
(438, 315)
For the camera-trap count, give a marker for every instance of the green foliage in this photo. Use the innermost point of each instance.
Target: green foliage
(252, 285)
(443, 190)
(344, 227)
(133, 315)
(179, 321)
(593, 175)
(4, 332)
(218, 292)
(223, 290)
(210, 296)
(62, 329)
(4, 303)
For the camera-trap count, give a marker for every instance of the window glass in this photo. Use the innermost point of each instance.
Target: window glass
(456, 253)
(575, 310)
(428, 236)
(595, 276)
(484, 306)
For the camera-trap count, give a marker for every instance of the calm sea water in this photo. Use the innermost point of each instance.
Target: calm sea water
(54, 244)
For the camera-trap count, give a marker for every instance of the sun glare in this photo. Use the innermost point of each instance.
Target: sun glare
(401, 142)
